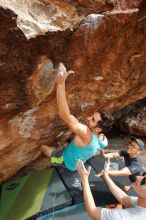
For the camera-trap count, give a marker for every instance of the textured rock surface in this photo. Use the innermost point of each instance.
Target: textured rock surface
(132, 119)
(104, 43)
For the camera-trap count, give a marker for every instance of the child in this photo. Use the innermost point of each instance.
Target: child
(132, 161)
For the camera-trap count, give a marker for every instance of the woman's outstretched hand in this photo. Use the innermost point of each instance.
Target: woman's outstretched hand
(62, 74)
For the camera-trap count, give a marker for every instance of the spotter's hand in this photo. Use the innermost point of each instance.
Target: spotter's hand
(99, 174)
(106, 167)
(83, 172)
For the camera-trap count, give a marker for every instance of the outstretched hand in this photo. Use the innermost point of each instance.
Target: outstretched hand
(62, 74)
(83, 172)
(105, 170)
(106, 167)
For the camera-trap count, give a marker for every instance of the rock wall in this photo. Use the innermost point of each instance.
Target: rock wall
(102, 41)
(132, 119)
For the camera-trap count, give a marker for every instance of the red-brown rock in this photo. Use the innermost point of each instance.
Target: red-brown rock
(103, 42)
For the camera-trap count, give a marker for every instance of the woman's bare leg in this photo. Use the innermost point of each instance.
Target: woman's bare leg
(47, 150)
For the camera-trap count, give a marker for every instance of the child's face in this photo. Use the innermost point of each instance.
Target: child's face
(133, 148)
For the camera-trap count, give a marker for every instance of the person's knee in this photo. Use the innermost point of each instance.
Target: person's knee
(46, 150)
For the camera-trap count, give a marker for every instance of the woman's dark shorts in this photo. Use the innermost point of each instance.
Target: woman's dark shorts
(57, 158)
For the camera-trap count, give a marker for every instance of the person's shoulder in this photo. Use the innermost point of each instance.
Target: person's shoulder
(113, 214)
(87, 137)
(104, 139)
(133, 200)
(136, 161)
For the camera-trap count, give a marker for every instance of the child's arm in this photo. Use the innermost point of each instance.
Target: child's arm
(123, 172)
(111, 155)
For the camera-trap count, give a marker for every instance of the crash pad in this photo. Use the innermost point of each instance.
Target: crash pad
(28, 196)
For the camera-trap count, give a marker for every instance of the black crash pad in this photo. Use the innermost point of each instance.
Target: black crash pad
(100, 191)
(97, 162)
(28, 196)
